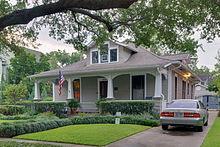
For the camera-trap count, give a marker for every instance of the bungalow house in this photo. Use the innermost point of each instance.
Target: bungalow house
(122, 72)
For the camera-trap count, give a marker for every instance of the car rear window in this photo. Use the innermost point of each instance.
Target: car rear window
(176, 104)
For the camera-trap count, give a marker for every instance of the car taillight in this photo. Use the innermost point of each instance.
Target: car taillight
(167, 114)
(191, 115)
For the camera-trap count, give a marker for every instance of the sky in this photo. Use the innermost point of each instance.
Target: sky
(205, 58)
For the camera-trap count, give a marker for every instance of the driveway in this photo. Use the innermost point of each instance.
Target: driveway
(174, 137)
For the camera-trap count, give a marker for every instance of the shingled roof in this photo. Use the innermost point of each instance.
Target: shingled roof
(141, 58)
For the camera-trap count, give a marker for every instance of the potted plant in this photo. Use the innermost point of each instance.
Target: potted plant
(73, 104)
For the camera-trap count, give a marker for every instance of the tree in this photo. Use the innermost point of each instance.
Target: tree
(62, 58)
(166, 24)
(15, 92)
(215, 84)
(25, 64)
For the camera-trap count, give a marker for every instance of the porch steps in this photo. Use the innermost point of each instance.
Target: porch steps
(87, 107)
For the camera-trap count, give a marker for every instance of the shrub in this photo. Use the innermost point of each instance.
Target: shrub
(97, 103)
(25, 103)
(48, 99)
(58, 108)
(17, 117)
(42, 123)
(126, 107)
(12, 109)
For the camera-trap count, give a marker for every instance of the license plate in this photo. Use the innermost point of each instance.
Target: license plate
(178, 114)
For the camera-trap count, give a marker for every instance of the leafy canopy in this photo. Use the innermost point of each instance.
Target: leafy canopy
(165, 25)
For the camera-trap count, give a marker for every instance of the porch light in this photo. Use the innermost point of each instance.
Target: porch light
(187, 75)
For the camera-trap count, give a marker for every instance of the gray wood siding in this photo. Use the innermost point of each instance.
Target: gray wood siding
(64, 92)
(150, 85)
(122, 83)
(89, 89)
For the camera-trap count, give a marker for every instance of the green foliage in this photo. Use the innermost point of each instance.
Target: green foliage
(62, 58)
(15, 92)
(2, 88)
(215, 84)
(24, 144)
(59, 108)
(73, 103)
(12, 109)
(96, 135)
(25, 64)
(126, 107)
(17, 117)
(165, 25)
(97, 103)
(48, 99)
(44, 94)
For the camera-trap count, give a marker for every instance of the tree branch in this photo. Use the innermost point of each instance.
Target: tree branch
(26, 15)
(93, 16)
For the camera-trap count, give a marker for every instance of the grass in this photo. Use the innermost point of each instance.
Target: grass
(23, 144)
(91, 134)
(213, 137)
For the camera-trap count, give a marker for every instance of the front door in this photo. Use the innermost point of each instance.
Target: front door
(138, 87)
(103, 85)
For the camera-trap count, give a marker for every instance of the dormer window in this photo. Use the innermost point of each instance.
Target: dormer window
(105, 55)
(95, 57)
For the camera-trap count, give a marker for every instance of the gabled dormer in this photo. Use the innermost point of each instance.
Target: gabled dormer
(111, 53)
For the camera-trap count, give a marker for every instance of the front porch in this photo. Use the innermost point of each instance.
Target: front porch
(141, 85)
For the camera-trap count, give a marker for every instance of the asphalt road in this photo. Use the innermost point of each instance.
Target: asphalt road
(174, 137)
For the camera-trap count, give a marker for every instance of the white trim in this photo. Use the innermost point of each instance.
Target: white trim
(54, 95)
(130, 86)
(99, 55)
(80, 88)
(98, 87)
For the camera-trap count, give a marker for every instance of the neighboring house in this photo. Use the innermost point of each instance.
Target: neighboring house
(122, 72)
(5, 61)
(201, 87)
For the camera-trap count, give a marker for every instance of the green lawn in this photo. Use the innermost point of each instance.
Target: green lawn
(91, 134)
(213, 137)
(23, 144)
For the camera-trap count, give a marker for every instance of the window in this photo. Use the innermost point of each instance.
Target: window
(175, 88)
(188, 89)
(104, 54)
(95, 58)
(113, 55)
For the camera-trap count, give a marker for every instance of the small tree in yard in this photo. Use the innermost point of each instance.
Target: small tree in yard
(15, 92)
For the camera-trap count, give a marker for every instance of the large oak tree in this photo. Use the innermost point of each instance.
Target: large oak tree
(159, 24)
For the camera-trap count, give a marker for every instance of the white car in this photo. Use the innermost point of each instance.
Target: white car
(186, 112)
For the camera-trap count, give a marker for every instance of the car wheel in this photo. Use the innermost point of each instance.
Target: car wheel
(206, 124)
(200, 128)
(164, 127)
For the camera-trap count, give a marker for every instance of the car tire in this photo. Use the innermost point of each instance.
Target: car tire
(164, 127)
(206, 124)
(200, 128)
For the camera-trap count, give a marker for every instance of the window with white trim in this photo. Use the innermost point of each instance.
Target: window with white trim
(105, 55)
(113, 55)
(95, 57)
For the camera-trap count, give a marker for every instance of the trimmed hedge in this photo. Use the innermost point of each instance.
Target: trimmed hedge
(126, 107)
(58, 108)
(12, 109)
(31, 126)
(17, 117)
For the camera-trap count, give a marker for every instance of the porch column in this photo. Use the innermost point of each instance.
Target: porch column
(70, 89)
(54, 90)
(110, 94)
(37, 91)
(158, 85)
(169, 95)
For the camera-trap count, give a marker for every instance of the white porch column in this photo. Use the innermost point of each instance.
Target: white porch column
(110, 94)
(54, 90)
(158, 85)
(169, 95)
(70, 89)
(37, 91)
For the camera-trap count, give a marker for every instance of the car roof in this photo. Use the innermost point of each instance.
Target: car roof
(186, 100)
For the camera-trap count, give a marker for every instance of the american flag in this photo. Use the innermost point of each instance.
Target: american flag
(61, 81)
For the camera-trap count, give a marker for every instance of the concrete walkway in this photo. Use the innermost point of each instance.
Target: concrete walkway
(174, 137)
(155, 137)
